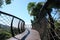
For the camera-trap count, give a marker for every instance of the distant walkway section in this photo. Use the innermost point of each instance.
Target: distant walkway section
(26, 35)
(34, 35)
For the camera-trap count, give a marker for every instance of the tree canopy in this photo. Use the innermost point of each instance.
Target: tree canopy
(4, 1)
(34, 8)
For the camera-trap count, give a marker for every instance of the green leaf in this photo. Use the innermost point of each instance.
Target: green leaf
(7, 1)
(1, 3)
(30, 5)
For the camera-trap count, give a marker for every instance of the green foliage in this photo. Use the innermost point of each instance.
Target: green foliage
(4, 32)
(4, 35)
(39, 5)
(34, 8)
(58, 10)
(55, 4)
(0, 14)
(6, 1)
(15, 31)
(1, 2)
(30, 6)
(57, 24)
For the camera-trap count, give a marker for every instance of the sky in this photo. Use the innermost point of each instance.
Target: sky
(19, 9)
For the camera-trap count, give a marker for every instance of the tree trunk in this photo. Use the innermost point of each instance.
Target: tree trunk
(41, 27)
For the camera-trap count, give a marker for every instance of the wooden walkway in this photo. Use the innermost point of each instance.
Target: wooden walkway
(34, 35)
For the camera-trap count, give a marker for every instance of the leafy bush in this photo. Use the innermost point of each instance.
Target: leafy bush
(4, 35)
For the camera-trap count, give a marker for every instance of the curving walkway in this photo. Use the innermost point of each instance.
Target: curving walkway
(34, 35)
(27, 35)
(19, 36)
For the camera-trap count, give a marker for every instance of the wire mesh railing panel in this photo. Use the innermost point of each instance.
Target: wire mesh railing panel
(5, 23)
(6, 19)
(10, 25)
(53, 31)
(22, 27)
(15, 26)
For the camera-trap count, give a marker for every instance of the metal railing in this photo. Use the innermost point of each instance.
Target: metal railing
(45, 10)
(54, 37)
(14, 24)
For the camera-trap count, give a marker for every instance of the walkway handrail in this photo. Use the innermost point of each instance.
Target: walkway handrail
(11, 23)
(10, 15)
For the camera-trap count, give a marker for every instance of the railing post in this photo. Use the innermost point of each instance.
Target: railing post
(24, 26)
(21, 28)
(18, 26)
(12, 27)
